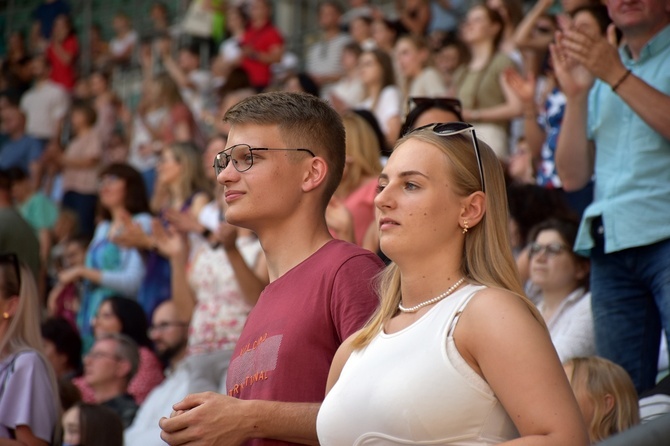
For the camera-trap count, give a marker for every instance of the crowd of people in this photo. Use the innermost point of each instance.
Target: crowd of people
(467, 196)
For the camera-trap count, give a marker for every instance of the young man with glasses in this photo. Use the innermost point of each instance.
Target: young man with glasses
(284, 160)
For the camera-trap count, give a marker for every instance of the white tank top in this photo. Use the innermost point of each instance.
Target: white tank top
(413, 387)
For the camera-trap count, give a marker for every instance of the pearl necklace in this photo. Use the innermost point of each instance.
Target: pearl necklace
(415, 308)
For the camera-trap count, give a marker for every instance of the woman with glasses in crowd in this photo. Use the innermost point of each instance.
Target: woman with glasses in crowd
(110, 268)
(29, 403)
(456, 354)
(562, 279)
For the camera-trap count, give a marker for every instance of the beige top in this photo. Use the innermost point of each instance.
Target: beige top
(83, 180)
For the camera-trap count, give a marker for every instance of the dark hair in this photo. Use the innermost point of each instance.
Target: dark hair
(353, 47)
(99, 426)
(17, 174)
(332, 3)
(384, 60)
(374, 124)
(86, 109)
(192, 48)
(303, 120)
(5, 181)
(65, 339)
(133, 319)
(447, 104)
(567, 229)
(598, 12)
(135, 200)
(104, 74)
(308, 84)
(530, 205)
(237, 79)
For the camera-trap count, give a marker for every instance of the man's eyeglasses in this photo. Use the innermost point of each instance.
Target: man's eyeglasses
(550, 250)
(242, 156)
(455, 128)
(164, 326)
(13, 259)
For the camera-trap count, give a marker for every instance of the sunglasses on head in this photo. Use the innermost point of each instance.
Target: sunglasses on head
(447, 129)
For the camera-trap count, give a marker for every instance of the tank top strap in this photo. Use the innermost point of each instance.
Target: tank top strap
(460, 307)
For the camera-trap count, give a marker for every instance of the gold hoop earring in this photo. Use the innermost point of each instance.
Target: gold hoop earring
(5, 315)
(465, 227)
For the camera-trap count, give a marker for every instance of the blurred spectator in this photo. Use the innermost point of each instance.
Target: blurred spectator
(418, 76)
(445, 16)
(106, 105)
(351, 210)
(92, 425)
(29, 403)
(348, 91)
(64, 299)
(413, 16)
(562, 279)
(302, 83)
(45, 104)
(20, 150)
(450, 54)
(323, 60)
(62, 52)
(108, 368)
(119, 315)
(385, 34)
(44, 17)
(16, 64)
(360, 30)
(356, 8)
(195, 84)
(621, 110)
(230, 50)
(262, 44)
(382, 96)
(36, 208)
(79, 165)
(111, 269)
(511, 12)
(605, 394)
(169, 334)
(99, 48)
(521, 168)
(62, 347)
(122, 45)
(16, 235)
(487, 101)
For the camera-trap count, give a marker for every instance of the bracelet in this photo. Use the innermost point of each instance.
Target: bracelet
(620, 81)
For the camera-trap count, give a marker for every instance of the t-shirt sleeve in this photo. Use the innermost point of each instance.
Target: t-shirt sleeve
(27, 399)
(354, 298)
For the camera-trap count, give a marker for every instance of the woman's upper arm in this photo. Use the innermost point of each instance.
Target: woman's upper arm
(340, 358)
(515, 355)
(24, 435)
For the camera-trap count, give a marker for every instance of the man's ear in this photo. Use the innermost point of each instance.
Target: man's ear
(473, 208)
(123, 368)
(315, 175)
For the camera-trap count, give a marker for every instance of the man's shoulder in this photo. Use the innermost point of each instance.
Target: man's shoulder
(339, 251)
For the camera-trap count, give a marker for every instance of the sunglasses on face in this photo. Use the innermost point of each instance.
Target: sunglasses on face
(550, 250)
(456, 128)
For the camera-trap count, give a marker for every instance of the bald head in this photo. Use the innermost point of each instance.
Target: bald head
(169, 332)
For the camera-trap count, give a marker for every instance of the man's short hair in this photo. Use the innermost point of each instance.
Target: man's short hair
(126, 349)
(304, 121)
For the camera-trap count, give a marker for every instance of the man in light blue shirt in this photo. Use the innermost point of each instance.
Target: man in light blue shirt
(620, 131)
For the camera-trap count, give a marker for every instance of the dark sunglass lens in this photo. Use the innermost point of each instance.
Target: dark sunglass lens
(451, 127)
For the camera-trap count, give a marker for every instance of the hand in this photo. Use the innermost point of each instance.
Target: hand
(52, 299)
(226, 234)
(131, 234)
(183, 221)
(206, 419)
(595, 52)
(524, 88)
(574, 79)
(70, 275)
(169, 242)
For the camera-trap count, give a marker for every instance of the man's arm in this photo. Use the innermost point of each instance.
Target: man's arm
(214, 419)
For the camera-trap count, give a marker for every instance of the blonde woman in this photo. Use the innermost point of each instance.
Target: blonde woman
(29, 404)
(455, 354)
(358, 187)
(606, 396)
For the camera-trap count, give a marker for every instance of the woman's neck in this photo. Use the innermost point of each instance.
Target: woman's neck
(551, 299)
(481, 54)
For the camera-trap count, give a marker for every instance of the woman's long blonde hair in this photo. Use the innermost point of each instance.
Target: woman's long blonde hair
(192, 178)
(599, 377)
(23, 332)
(487, 256)
(363, 149)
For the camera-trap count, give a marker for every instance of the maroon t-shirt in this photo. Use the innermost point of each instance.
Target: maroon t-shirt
(293, 332)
